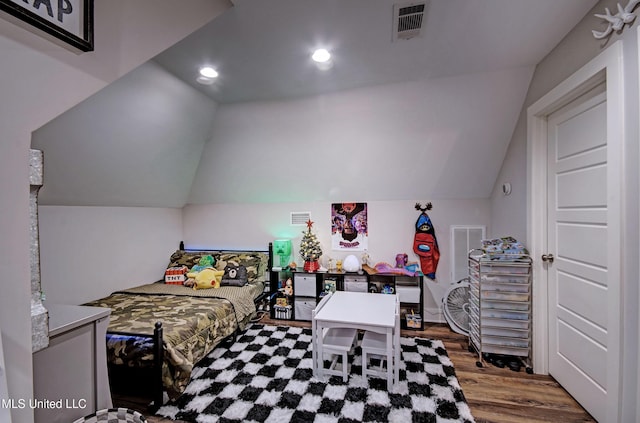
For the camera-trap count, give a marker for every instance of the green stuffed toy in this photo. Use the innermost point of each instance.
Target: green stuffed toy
(205, 263)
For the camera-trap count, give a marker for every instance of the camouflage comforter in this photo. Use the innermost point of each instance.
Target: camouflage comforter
(193, 322)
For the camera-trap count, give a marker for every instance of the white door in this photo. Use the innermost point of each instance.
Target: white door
(579, 280)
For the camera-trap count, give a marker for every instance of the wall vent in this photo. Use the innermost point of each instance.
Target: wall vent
(299, 218)
(408, 19)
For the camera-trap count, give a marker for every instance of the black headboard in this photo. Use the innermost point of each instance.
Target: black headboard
(270, 250)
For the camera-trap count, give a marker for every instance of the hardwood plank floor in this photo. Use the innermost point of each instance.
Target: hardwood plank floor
(495, 395)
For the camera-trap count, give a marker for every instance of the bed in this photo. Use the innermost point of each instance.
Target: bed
(158, 331)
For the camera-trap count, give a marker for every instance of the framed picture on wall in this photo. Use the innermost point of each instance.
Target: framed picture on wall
(66, 22)
(349, 228)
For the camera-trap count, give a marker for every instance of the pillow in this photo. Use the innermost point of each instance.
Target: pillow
(256, 262)
(234, 275)
(186, 258)
(252, 261)
(208, 278)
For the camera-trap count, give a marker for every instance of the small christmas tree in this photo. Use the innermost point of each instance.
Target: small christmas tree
(310, 249)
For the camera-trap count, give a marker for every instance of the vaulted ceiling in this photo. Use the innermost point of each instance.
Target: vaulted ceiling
(262, 48)
(422, 109)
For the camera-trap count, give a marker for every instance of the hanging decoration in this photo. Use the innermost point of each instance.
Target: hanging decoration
(310, 249)
(616, 22)
(425, 244)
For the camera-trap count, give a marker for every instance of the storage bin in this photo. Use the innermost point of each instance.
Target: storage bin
(500, 305)
(503, 268)
(505, 341)
(504, 296)
(522, 279)
(498, 349)
(304, 307)
(505, 287)
(504, 323)
(408, 294)
(513, 333)
(282, 312)
(304, 285)
(414, 321)
(355, 279)
(355, 286)
(499, 314)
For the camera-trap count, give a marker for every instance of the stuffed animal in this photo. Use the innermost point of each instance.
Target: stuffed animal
(205, 262)
(288, 287)
(234, 275)
(207, 278)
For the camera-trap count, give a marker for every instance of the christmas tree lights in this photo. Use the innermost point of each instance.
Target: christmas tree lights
(310, 249)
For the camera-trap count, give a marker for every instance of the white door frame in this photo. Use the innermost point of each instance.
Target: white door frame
(607, 66)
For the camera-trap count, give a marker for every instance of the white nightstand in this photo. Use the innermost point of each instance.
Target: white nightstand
(70, 375)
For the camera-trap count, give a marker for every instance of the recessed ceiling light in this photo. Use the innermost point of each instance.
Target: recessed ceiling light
(321, 55)
(208, 72)
(204, 80)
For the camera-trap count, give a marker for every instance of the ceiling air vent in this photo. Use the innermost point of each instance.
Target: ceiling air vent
(407, 20)
(300, 218)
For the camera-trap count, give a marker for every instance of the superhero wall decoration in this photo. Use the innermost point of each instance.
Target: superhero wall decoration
(349, 231)
(425, 244)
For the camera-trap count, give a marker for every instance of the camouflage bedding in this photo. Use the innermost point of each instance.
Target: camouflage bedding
(193, 322)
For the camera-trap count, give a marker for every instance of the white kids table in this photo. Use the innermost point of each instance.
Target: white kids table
(360, 310)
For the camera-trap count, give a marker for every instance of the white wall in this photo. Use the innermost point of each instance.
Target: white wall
(575, 50)
(39, 81)
(89, 252)
(391, 231)
(137, 142)
(437, 138)
(508, 214)
(390, 146)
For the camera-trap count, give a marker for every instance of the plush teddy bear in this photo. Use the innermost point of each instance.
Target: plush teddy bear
(234, 275)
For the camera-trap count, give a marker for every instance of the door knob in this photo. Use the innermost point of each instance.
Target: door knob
(548, 257)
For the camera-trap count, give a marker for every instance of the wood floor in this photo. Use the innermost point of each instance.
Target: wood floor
(495, 395)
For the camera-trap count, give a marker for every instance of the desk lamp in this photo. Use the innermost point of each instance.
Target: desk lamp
(282, 248)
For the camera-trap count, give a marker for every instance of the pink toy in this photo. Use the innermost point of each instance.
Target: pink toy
(401, 260)
(387, 268)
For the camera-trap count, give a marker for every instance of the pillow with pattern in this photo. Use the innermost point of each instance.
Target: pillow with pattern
(234, 276)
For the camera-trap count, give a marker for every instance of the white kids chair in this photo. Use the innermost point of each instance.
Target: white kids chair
(374, 345)
(337, 343)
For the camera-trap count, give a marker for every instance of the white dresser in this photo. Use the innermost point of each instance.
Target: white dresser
(70, 375)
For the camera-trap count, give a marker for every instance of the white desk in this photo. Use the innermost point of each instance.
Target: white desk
(360, 310)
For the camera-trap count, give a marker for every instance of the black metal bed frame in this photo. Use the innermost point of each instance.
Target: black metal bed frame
(157, 389)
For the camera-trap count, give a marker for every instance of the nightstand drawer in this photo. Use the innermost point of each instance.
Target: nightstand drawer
(304, 285)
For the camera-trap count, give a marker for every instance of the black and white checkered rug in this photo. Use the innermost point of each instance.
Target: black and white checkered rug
(266, 376)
